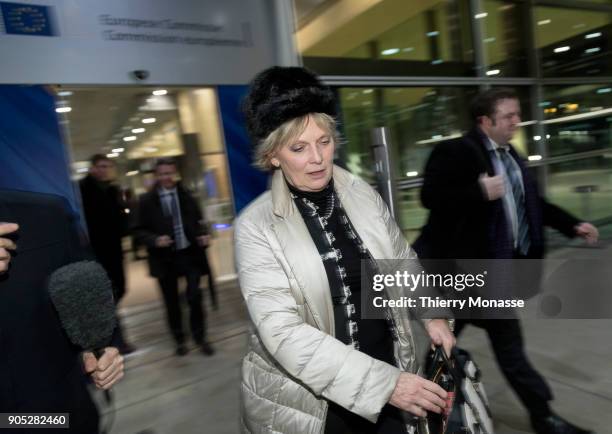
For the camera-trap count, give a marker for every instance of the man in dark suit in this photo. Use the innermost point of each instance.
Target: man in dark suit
(106, 224)
(484, 204)
(171, 226)
(40, 370)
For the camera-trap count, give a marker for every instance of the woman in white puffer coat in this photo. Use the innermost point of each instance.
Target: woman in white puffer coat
(314, 365)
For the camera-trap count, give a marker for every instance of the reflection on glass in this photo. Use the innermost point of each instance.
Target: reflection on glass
(505, 46)
(583, 187)
(412, 215)
(429, 37)
(417, 118)
(573, 42)
(577, 118)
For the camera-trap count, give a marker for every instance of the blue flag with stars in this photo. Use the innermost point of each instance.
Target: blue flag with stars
(27, 19)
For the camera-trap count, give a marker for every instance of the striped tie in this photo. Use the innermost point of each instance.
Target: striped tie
(177, 223)
(514, 176)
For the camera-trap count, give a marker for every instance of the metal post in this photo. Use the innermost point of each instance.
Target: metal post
(382, 167)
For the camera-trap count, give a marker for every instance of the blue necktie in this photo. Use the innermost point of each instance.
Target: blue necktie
(514, 176)
(177, 224)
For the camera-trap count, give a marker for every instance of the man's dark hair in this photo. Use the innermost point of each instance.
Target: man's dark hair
(165, 162)
(95, 159)
(485, 103)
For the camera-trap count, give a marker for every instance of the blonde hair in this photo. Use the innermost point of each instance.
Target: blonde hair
(288, 132)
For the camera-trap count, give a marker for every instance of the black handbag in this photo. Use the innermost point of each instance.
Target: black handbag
(467, 405)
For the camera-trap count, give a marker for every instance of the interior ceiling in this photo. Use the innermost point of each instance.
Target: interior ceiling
(306, 10)
(102, 116)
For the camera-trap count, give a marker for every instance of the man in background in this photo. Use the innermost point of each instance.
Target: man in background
(106, 220)
(172, 227)
(484, 204)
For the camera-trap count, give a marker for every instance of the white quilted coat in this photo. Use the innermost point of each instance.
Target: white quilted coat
(294, 363)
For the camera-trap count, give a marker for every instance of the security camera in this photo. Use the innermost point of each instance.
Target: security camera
(140, 74)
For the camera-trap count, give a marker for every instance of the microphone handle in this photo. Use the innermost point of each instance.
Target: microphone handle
(99, 352)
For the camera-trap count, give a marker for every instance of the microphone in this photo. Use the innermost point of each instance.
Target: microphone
(82, 295)
(83, 298)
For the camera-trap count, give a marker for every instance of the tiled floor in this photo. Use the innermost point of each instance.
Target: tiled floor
(165, 394)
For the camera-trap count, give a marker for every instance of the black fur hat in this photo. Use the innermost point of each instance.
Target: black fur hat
(279, 94)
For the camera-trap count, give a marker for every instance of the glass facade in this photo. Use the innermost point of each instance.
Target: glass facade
(430, 37)
(414, 70)
(573, 42)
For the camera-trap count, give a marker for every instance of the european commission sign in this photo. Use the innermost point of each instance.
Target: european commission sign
(27, 19)
(186, 42)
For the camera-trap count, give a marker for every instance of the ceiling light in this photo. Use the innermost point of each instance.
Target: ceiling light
(413, 173)
(118, 150)
(63, 109)
(408, 49)
(160, 92)
(537, 138)
(437, 61)
(489, 40)
(367, 91)
(64, 93)
(592, 50)
(481, 15)
(138, 130)
(493, 72)
(148, 120)
(112, 155)
(534, 157)
(432, 34)
(82, 170)
(390, 51)
(592, 35)
(562, 49)
(604, 90)
(543, 22)
(129, 138)
(132, 173)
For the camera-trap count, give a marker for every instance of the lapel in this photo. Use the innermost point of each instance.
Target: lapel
(477, 140)
(301, 254)
(378, 243)
(156, 201)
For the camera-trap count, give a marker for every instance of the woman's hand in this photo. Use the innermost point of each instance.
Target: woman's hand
(440, 334)
(418, 395)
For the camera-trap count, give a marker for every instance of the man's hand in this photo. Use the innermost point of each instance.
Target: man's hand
(106, 371)
(587, 231)
(163, 241)
(440, 334)
(204, 240)
(492, 186)
(418, 395)
(6, 245)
